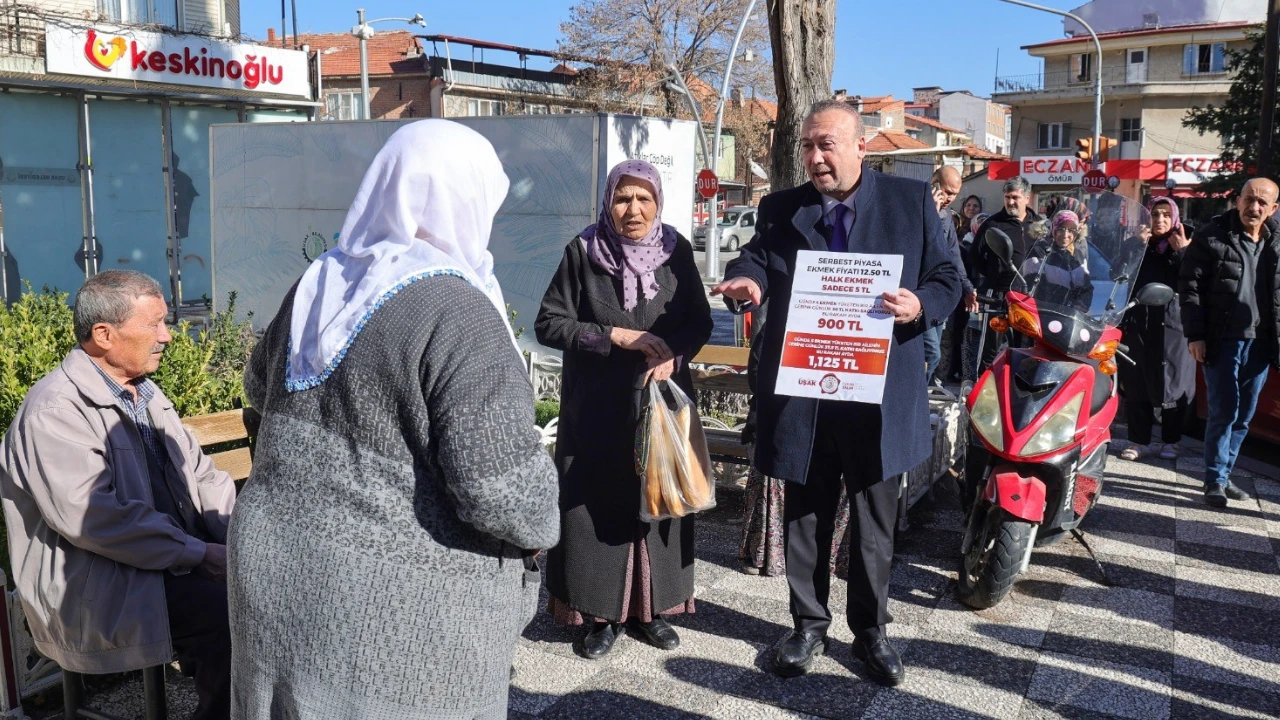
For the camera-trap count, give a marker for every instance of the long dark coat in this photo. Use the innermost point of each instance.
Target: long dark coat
(1163, 369)
(894, 215)
(595, 446)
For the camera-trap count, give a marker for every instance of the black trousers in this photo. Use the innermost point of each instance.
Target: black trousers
(1141, 416)
(201, 632)
(810, 511)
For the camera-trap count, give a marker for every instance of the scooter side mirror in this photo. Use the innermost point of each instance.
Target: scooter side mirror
(1155, 295)
(999, 244)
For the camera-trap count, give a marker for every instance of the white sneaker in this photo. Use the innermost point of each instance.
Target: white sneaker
(1171, 451)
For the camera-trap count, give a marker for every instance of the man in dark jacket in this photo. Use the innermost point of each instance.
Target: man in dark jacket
(990, 276)
(946, 184)
(1231, 317)
(815, 445)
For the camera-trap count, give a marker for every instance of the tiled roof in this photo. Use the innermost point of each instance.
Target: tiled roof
(978, 153)
(881, 104)
(1145, 31)
(889, 141)
(918, 120)
(340, 53)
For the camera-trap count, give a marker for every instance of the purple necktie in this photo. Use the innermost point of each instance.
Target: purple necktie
(839, 234)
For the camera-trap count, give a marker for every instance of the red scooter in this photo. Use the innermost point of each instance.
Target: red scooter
(1043, 410)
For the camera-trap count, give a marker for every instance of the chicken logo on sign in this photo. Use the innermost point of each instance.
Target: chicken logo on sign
(103, 53)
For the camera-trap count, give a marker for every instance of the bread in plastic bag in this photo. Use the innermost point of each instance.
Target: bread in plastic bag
(671, 455)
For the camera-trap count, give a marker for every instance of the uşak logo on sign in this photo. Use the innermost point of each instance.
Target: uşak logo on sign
(253, 70)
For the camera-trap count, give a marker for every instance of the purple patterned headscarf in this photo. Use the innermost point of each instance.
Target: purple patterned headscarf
(1174, 216)
(632, 261)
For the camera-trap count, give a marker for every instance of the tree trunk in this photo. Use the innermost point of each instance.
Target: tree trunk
(802, 33)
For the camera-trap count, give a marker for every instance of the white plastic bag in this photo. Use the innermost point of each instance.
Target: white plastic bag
(671, 456)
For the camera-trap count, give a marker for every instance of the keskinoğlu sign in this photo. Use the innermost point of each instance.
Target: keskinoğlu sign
(106, 51)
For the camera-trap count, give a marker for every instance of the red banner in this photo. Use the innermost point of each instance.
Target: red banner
(835, 352)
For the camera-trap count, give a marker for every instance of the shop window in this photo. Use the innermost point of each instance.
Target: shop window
(140, 12)
(347, 105)
(1204, 59)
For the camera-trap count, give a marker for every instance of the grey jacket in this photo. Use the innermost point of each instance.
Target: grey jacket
(87, 545)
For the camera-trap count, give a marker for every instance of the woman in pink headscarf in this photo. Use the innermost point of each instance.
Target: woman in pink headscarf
(626, 304)
(1163, 374)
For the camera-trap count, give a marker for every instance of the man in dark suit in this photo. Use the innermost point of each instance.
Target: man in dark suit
(815, 444)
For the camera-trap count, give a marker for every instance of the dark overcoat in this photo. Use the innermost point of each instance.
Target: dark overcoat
(595, 442)
(892, 216)
(1163, 370)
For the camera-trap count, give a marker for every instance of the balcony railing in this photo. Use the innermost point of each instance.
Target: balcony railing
(1112, 76)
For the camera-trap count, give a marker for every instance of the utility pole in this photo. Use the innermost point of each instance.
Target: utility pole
(1270, 67)
(1097, 71)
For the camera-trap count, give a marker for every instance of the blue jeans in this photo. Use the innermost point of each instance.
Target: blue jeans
(932, 350)
(1234, 373)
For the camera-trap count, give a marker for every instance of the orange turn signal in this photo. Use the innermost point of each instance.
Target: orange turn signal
(999, 324)
(1107, 367)
(1104, 350)
(1024, 321)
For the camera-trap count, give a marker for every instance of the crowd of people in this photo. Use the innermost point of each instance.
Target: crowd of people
(385, 555)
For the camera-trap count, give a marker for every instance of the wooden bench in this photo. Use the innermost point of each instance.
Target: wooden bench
(228, 438)
(724, 445)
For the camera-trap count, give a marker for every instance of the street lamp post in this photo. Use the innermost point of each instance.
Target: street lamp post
(1097, 73)
(713, 229)
(364, 31)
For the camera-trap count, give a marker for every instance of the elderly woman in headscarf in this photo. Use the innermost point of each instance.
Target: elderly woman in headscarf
(625, 306)
(382, 554)
(1062, 264)
(1163, 374)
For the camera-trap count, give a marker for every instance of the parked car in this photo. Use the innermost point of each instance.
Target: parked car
(737, 227)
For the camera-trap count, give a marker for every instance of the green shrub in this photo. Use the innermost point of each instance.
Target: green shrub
(36, 333)
(204, 373)
(544, 411)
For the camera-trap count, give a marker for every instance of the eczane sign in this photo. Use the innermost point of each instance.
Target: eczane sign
(1053, 169)
(113, 52)
(1195, 169)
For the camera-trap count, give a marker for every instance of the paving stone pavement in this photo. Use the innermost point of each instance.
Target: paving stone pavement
(1189, 630)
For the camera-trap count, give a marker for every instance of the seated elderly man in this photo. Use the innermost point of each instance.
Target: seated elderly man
(117, 521)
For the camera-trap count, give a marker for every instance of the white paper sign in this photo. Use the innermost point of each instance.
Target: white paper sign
(838, 332)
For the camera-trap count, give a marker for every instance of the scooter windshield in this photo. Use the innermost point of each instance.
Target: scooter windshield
(1084, 256)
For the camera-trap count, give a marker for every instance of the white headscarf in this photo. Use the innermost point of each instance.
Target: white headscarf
(425, 207)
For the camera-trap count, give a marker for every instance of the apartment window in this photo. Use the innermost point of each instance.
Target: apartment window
(140, 12)
(536, 109)
(1081, 68)
(1053, 136)
(1131, 130)
(347, 105)
(485, 108)
(1204, 59)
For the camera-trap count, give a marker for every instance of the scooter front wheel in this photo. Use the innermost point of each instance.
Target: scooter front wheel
(988, 570)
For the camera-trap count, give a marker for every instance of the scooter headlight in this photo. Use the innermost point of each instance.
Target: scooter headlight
(985, 415)
(1058, 432)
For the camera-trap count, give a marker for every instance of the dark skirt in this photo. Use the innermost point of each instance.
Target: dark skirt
(637, 601)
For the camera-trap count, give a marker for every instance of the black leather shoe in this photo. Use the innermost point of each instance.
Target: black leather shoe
(597, 643)
(658, 633)
(881, 660)
(1235, 493)
(797, 652)
(1216, 496)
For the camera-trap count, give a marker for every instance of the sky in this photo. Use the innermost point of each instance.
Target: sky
(881, 47)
